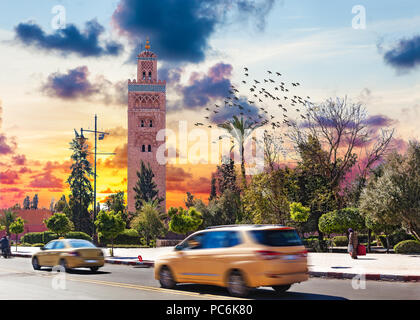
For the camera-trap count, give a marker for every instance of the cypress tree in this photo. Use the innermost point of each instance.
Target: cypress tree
(145, 189)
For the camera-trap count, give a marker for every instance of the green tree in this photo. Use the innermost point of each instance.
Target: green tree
(145, 189)
(226, 177)
(116, 203)
(109, 226)
(7, 219)
(240, 130)
(59, 223)
(339, 221)
(184, 221)
(265, 199)
(312, 184)
(189, 202)
(392, 198)
(298, 212)
(80, 187)
(213, 189)
(17, 227)
(149, 222)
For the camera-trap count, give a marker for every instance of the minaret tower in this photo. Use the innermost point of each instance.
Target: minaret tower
(146, 116)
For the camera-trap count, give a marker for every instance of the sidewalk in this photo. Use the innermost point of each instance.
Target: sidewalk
(374, 266)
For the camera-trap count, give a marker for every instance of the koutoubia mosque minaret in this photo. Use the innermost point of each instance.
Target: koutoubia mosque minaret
(146, 116)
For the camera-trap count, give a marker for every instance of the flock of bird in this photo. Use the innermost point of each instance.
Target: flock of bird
(255, 106)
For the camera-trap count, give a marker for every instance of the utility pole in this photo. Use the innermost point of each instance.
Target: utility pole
(101, 137)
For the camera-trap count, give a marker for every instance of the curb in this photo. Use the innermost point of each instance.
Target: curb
(369, 276)
(145, 263)
(314, 274)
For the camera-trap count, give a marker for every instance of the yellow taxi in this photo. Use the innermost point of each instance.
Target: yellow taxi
(238, 257)
(69, 253)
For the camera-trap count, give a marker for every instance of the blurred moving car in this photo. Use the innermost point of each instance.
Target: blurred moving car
(239, 257)
(69, 253)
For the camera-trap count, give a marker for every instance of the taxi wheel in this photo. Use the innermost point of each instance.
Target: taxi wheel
(94, 269)
(35, 264)
(236, 284)
(166, 279)
(63, 264)
(282, 289)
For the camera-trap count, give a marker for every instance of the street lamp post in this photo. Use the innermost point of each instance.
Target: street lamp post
(101, 137)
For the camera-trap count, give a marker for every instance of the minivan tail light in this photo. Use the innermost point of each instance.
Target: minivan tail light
(303, 254)
(268, 255)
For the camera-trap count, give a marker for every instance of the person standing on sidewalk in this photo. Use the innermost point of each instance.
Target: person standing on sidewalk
(5, 248)
(353, 243)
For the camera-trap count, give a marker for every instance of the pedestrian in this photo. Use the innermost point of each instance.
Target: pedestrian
(353, 243)
(4, 246)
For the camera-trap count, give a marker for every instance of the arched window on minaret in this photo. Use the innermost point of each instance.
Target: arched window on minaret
(142, 123)
(150, 75)
(149, 148)
(151, 123)
(143, 148)
(144, 75)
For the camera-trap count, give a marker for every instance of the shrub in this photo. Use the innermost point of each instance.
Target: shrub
(78, 235)
(47, 236)
(128, 236)
(407, 246)
(127, 246)
(38, 245)
(340, 241)
(39, 237)
(316, 245)
(395, 238)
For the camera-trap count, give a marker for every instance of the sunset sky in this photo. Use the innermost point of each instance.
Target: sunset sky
(53, 81)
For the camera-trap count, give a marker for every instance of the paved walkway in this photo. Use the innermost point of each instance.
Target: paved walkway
(375, 266)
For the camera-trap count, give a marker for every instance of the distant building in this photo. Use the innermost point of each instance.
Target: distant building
(34, 220)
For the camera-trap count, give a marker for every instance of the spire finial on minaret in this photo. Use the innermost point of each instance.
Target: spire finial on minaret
(147, 46)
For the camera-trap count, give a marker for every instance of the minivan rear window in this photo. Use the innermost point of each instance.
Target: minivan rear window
(277, 238)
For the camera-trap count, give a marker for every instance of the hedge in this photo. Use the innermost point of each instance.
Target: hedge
(47, 236)
(395, 238)
(340, 241)
(407, 246)
(316, 245)
(129, 236)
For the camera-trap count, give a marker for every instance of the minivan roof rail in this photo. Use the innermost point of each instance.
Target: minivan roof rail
(245, 225)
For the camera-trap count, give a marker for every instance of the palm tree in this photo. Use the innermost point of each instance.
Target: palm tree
(7, 219)
(240, 130)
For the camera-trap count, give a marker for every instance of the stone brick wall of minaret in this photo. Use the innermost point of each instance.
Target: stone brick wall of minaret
(146, 105)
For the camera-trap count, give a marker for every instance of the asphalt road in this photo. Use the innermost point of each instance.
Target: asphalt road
(114, 282)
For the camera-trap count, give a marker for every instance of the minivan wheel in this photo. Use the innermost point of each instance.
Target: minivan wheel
(236, 284)
(35, 264)
(166, 279)
(282, 289)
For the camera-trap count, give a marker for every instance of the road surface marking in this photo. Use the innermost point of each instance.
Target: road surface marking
(126, 285)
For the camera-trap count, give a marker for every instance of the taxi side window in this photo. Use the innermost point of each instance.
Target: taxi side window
(50, 245)
(59, 245)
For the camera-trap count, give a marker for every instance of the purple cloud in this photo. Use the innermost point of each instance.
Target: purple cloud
(68, 40)
(72, 85)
